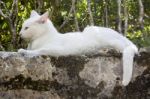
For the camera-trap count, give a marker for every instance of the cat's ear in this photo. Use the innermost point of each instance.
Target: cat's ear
(43, 17)
(34, 13)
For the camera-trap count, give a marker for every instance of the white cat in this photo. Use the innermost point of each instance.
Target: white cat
(46, 40)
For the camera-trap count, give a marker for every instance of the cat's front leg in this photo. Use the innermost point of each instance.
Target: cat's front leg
(28, 53)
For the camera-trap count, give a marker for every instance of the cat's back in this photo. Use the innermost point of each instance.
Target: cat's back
(100, 30)
(103, 32)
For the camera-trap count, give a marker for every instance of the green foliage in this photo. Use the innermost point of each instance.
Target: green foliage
(59, 12)
(141, 37)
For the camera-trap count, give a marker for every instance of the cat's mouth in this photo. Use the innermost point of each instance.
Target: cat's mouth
(22, 39)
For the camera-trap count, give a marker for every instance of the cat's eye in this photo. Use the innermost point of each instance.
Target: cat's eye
(26, 28)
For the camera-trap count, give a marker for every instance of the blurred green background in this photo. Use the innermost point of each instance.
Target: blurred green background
(129, 17)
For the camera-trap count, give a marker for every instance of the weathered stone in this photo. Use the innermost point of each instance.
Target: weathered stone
(28, 94)
(96, 76)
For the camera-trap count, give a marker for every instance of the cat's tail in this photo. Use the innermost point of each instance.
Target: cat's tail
(128, 56)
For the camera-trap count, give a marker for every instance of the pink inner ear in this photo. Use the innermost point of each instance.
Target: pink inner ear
(42, 20)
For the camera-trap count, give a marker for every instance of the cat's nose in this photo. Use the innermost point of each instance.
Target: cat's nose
(20, 34)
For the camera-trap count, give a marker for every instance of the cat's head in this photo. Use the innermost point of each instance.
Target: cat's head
(35, 26)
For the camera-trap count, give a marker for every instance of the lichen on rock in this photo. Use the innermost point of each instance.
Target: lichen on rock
(96, 76)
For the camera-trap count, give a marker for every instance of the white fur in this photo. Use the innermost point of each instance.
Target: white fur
(46, 40)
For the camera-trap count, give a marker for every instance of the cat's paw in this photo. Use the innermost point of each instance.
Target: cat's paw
(22, 51)
(27, 53)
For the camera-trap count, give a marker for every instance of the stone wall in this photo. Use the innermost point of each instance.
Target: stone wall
(96, 76)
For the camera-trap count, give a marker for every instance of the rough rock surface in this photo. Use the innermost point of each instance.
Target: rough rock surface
(96, 76)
